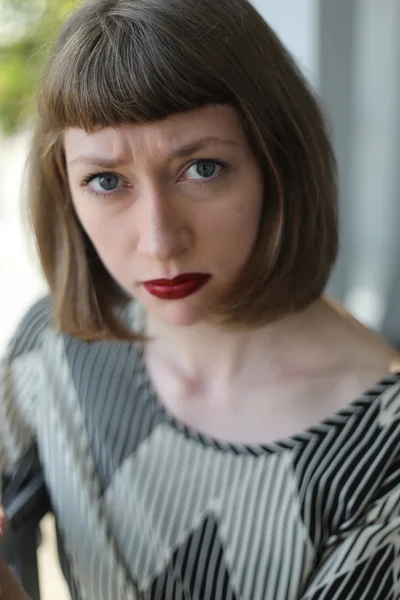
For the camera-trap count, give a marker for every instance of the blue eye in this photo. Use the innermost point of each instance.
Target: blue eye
(103, 183)
(108, 181)
(204, 169)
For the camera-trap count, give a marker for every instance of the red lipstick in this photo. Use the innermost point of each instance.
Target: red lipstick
(177, 288)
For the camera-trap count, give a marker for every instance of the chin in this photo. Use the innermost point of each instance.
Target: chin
(178, 313)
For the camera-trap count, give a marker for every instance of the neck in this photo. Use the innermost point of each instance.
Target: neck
(206, 350)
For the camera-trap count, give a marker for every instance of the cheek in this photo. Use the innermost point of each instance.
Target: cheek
(95, 230)
(106, 232)
(243, 218)
(230, 236)
(108, 239)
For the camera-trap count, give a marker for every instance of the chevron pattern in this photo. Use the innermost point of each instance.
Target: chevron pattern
(149, 509)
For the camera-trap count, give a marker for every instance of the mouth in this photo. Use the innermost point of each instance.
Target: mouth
(179, 287)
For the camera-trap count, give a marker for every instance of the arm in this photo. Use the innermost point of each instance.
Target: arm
(14, 439)
(19, 376)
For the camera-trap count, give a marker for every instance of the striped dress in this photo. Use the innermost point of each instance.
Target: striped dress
(146, 508)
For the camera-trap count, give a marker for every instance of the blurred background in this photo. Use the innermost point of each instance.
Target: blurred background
(350, 52)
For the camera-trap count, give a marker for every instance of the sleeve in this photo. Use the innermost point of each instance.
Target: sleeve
(362, 560)
(18, 388)
(22, 488)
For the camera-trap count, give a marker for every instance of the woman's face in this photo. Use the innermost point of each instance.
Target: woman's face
(177, 197)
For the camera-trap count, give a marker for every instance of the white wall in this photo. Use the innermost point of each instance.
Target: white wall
(374, 186)
(296, 23)
(20, 281)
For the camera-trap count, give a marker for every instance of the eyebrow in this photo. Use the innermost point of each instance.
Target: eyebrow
(119, 161)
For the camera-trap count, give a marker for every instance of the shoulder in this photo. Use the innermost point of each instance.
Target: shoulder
(29, 333)
(19, 379)
(389, 401)
(362, 355)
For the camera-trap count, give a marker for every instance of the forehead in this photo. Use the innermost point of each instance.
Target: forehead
(166, 136)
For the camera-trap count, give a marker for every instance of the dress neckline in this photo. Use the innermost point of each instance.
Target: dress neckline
(335, 419)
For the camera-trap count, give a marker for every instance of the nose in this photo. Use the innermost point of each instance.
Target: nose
(164, 230)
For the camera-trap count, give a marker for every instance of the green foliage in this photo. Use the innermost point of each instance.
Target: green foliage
(27, 32)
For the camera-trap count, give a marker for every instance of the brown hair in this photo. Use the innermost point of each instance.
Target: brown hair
(136, 61)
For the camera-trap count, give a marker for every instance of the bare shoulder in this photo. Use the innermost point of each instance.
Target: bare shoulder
(368, 357)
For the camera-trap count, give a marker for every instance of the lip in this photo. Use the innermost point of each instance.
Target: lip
(179, 287)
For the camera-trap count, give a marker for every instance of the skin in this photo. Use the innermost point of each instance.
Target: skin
(238, 385)
(164, 219)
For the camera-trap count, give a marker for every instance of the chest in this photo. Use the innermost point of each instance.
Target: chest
(177, 511)
(253, 411)
(195, 511)
(142, 507)
(153, 508)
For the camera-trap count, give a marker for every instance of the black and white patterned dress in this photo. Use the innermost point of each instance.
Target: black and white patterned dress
(146, 508)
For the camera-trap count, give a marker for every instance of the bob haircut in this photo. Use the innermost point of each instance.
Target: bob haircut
(136, 61)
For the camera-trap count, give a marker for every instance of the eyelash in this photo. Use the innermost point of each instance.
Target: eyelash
(92, 192)
(91, 176)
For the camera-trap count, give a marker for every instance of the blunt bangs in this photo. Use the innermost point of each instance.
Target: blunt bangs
(123, 69)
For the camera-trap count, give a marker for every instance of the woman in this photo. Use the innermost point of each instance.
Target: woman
(208, 425)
